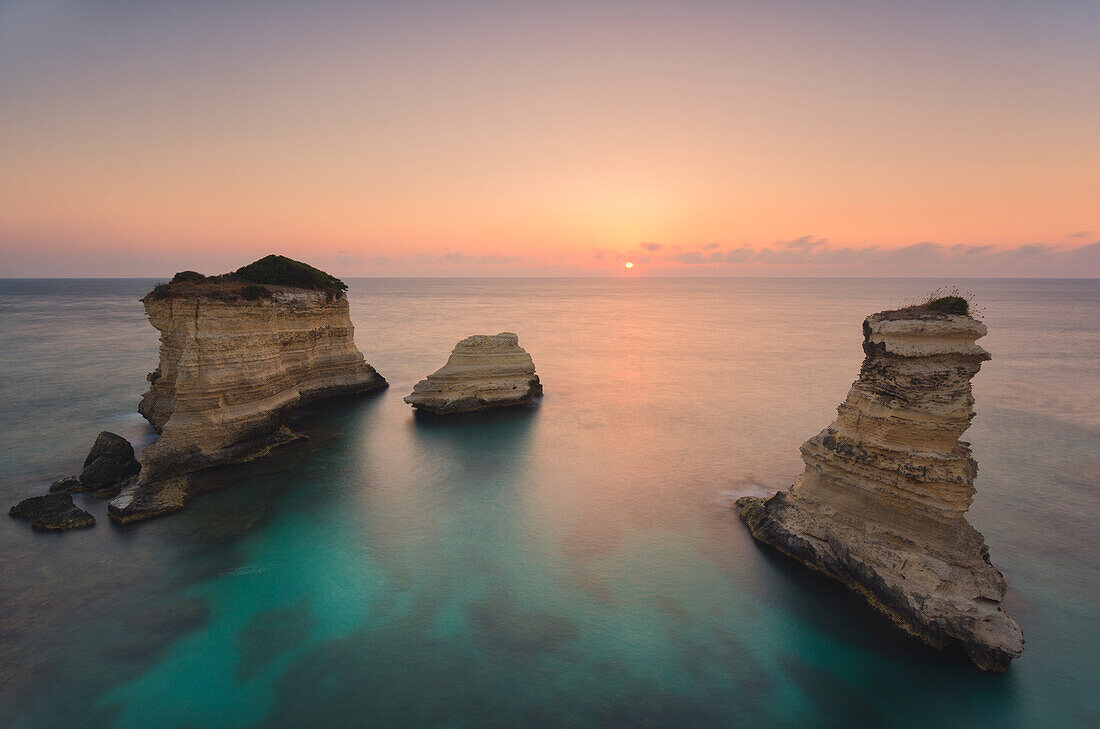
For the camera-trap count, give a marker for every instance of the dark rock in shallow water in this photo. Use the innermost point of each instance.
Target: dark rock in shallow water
(110, 462)
(65, 484)
(53, 512)
(145, 500)
(111, 447)
(112, 490)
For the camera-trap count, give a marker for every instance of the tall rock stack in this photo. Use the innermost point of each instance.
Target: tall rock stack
(881, 504)
(231, 371)
(236, 358)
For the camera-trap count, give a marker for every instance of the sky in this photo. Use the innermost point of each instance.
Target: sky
(415, 138)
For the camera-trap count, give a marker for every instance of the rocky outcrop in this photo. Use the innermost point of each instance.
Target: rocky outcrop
(110, 463)
(144, 500)
(109, 467)
(69, 483)
(51, 513)
(881, 503)
(482, 372)
(232, 369)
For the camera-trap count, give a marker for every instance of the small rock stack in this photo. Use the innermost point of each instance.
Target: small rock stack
(482, 372)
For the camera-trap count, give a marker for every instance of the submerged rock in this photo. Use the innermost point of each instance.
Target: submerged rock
(53, 512)
(482, 372)
(69, 483)
(145, 500)
(108, 465)
(238, 354)
(881, 504)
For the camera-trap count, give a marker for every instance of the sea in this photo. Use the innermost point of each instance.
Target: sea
(574, 563)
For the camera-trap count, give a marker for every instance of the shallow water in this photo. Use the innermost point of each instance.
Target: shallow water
(571, 564)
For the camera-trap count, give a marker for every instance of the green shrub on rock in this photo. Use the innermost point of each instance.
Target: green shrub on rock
(282, 271)
(188, 277)
(950, 305)
(252, 292)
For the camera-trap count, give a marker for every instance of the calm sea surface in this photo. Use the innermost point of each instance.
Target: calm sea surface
(572, 564)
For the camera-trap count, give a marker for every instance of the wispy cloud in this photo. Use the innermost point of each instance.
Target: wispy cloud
(344, 258)
(481, 260)
(803, 254)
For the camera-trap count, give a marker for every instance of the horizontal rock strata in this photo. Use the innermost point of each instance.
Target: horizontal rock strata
(231, 372)
(881, 504)
(482, 372)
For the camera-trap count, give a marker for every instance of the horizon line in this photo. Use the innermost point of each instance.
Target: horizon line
(619, 277)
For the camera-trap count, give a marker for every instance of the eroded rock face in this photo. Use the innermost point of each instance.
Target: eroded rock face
(53, 512)
(230, 374)
(881, 504)
(482, 372)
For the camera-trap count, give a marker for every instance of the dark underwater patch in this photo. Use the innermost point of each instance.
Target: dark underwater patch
(499, 623)
(840, 704)
(270, 634)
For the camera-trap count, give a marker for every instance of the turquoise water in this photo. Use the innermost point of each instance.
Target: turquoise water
(572, 564)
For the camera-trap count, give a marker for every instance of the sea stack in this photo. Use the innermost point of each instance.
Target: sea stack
(238, 353)
(882, 501)
(482, 372)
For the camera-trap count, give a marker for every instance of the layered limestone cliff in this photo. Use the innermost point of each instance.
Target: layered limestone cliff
(231, 371)
(482, 372)
(881, 504)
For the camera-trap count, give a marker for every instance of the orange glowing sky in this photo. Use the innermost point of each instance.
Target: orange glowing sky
(522, 138)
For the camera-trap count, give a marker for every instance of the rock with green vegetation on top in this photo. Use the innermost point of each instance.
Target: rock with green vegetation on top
(238, 354)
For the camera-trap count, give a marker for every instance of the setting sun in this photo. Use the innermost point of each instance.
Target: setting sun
(628, 264)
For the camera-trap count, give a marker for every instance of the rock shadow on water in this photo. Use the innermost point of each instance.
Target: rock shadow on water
(833, 609)
(270, 634)
(903, 667)
(485, 443)
(336, 419)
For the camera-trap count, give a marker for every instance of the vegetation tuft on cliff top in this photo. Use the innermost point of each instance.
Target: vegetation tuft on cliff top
(283, 271)
(188, 277)
(950, 305)
(252, 292)
(941, 301)
(251, 282)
